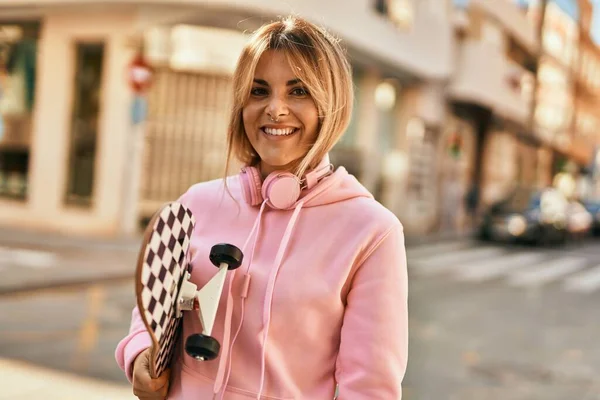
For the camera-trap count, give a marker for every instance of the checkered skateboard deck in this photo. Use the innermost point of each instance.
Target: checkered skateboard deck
(163, 262)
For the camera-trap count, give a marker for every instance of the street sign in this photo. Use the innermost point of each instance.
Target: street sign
(140, 74)
(139, 109)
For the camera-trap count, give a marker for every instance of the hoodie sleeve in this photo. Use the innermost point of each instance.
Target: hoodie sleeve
(374, 339)
(133, 344)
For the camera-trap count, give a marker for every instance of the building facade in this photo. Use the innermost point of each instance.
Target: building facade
(522, 101)
(489, 144)
(586, 119)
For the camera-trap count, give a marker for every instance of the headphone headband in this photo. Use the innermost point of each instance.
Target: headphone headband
(281, 189)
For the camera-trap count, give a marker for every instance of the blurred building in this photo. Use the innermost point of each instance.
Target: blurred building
(586, 122)
(523, 100)
(489, 143)
(456, 100)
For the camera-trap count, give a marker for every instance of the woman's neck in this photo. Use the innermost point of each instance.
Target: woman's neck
(266, 169)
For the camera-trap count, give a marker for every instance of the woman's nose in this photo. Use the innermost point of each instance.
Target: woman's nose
(277, 107)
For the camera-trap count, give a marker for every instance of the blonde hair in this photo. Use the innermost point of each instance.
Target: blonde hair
(319, 62)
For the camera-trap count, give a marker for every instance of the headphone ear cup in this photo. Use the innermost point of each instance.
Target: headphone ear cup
(282, 190)
(251, 185)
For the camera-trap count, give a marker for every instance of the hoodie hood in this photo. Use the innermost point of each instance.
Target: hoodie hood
(339, 186)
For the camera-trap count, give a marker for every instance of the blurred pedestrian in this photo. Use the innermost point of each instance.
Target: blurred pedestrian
(472, 205)
(326, 303)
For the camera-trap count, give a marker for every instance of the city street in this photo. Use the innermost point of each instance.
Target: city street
(487, 322)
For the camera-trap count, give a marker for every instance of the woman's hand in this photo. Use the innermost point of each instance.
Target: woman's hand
(144, 387)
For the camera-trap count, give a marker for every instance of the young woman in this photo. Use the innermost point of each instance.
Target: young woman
(321, 297)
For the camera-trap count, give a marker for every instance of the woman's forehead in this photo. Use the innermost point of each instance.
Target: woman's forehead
(274, 64)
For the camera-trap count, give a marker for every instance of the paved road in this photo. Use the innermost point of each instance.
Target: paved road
(510, 323)
(487, 322)
(31, 266)
(574, 268)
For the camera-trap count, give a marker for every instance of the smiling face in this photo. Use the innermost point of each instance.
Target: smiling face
(280, 117)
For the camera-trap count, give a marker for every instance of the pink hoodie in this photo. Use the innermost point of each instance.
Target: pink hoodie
(326, 303)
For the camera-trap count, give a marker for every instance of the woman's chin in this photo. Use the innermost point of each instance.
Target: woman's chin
(277, 164)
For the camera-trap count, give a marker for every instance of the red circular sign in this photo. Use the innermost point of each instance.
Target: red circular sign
(140, 74)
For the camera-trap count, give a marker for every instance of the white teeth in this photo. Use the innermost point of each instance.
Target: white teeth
(279, 132)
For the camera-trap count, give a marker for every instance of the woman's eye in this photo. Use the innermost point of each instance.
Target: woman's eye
(299, 92)
(258, 91)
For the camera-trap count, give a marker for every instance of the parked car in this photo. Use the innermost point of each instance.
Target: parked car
(579, 220)
(527, 215)
(593, 207)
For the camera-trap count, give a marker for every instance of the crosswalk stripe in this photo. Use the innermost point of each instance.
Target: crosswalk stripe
(424, 250)
(547, 271)
(480, 271)
(446, 261)
(37, 259)
(586, 281)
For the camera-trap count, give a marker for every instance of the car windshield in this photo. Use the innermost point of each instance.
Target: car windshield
(522, 199)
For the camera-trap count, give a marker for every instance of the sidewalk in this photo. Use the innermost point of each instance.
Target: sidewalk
(22, 381)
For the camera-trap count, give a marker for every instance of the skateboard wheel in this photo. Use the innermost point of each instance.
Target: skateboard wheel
(201, 347)
(226, 253)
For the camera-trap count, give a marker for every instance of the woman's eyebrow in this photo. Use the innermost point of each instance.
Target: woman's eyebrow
(289, 83)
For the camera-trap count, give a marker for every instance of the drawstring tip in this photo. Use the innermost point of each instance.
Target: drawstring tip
(246, 286)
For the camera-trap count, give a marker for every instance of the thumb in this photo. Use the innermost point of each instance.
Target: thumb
(160, 382)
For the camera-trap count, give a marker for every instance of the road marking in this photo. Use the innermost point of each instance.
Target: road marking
(483, 270)
(90, 328)
(446, 261)
(586, 281)
(547, 272)
(36, 259)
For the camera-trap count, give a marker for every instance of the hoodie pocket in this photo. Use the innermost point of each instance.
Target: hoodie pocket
(233, 393)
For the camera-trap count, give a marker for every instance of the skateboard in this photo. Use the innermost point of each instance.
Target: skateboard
(164, 290)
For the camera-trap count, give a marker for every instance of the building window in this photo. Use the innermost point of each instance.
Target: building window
(18, 64)
(560, 34)
(400, 12)
(492, 33)
(555, 98)
(421, 149)
(84, 123)
(348, 139)
(385, 102)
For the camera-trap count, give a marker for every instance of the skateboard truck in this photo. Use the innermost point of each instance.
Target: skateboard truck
(202, 346)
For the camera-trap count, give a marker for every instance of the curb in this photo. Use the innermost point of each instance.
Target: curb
(60, 240)
(64, 284)
(414, 241)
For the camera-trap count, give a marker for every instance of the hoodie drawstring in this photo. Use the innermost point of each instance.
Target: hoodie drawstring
(225, 355)
(222, 378)
(271, 287)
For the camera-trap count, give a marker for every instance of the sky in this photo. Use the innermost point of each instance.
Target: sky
(596, 21)
(569, 6)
